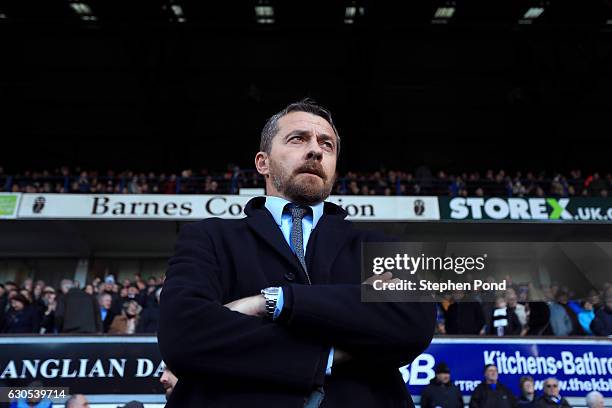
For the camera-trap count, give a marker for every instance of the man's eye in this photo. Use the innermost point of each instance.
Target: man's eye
(328, 145)
(296, 138)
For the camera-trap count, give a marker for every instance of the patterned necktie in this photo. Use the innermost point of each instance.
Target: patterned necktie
(297, 241)
(297, 237)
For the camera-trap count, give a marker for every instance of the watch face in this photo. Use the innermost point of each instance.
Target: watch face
(271, 291)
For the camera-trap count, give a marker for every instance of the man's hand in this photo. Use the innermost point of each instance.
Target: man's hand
(251, 306)
(385, 277)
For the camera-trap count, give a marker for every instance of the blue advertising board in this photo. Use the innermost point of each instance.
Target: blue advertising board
(581, 365)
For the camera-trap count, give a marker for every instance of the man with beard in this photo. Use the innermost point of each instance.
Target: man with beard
(168, 381)
(266, 311)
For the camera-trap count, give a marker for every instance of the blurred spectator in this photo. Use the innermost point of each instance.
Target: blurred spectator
(77, 401)
(49, 300)
(3, 304)
(168, 381)
(586, 316)
(106, 313)
(441, 392)
(594, 399)
(491, 393)
(126, 322)
(463, 316)
(527, 398)
(513, 304)
(602, 323)
(21, 317)
(551, 397)
(504, 321)
(150, 316)
(539, 319)
(33, 402)
(563, 319)
(77, 311)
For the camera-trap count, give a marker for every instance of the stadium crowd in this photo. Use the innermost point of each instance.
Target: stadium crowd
(100, 307)
(421, 181)
(132, 306)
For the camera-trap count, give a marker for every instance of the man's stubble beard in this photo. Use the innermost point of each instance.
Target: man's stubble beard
(296, 192)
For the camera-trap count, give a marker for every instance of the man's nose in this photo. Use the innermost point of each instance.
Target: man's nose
(315, 152)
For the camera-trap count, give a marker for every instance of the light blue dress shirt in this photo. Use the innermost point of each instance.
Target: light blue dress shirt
(276, 207)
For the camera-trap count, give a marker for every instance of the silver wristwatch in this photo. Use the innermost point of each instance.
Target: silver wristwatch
(271, 295)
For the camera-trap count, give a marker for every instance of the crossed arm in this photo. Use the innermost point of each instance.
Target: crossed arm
(200, 336)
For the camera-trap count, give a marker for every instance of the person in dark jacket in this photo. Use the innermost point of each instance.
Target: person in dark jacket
(107, 314)
(223, 323)
(149, 318)
(491, 393)
(77, 311)
(47, 315)
(539, 319)
(464, 316)
(527, 398)
(21, 316)
(441, 392)
(552, 396)
(602, 323)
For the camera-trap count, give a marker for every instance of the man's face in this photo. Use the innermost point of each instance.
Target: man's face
(132, 308)
(80, 402)
(491, 374)
(528, 388)
(17, 305)
(302, 161)
(511, 299)
(598, 402)
(444, 378)
(168, 381)
(105, 302)
(551, 388)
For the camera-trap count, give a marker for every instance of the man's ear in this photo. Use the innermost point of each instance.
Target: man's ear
(262, 163)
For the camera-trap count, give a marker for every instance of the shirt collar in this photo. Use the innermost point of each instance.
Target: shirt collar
(276, 205)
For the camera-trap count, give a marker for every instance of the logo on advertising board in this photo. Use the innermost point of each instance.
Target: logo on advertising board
(155, 206)
(39, 204)
(518, 208)
(8, 205)
(579, 365)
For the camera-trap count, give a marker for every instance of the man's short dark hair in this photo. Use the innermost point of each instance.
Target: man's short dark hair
(307, 105)
(486, 367)
(524, 379)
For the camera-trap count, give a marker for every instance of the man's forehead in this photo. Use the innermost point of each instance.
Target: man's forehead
(306, 121)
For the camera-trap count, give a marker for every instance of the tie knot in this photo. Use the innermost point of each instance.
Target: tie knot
(297, 211)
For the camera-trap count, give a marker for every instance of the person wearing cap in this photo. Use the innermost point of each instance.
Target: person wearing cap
(266, 310)
(441, 392)
(491, 393)
(21, 316)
